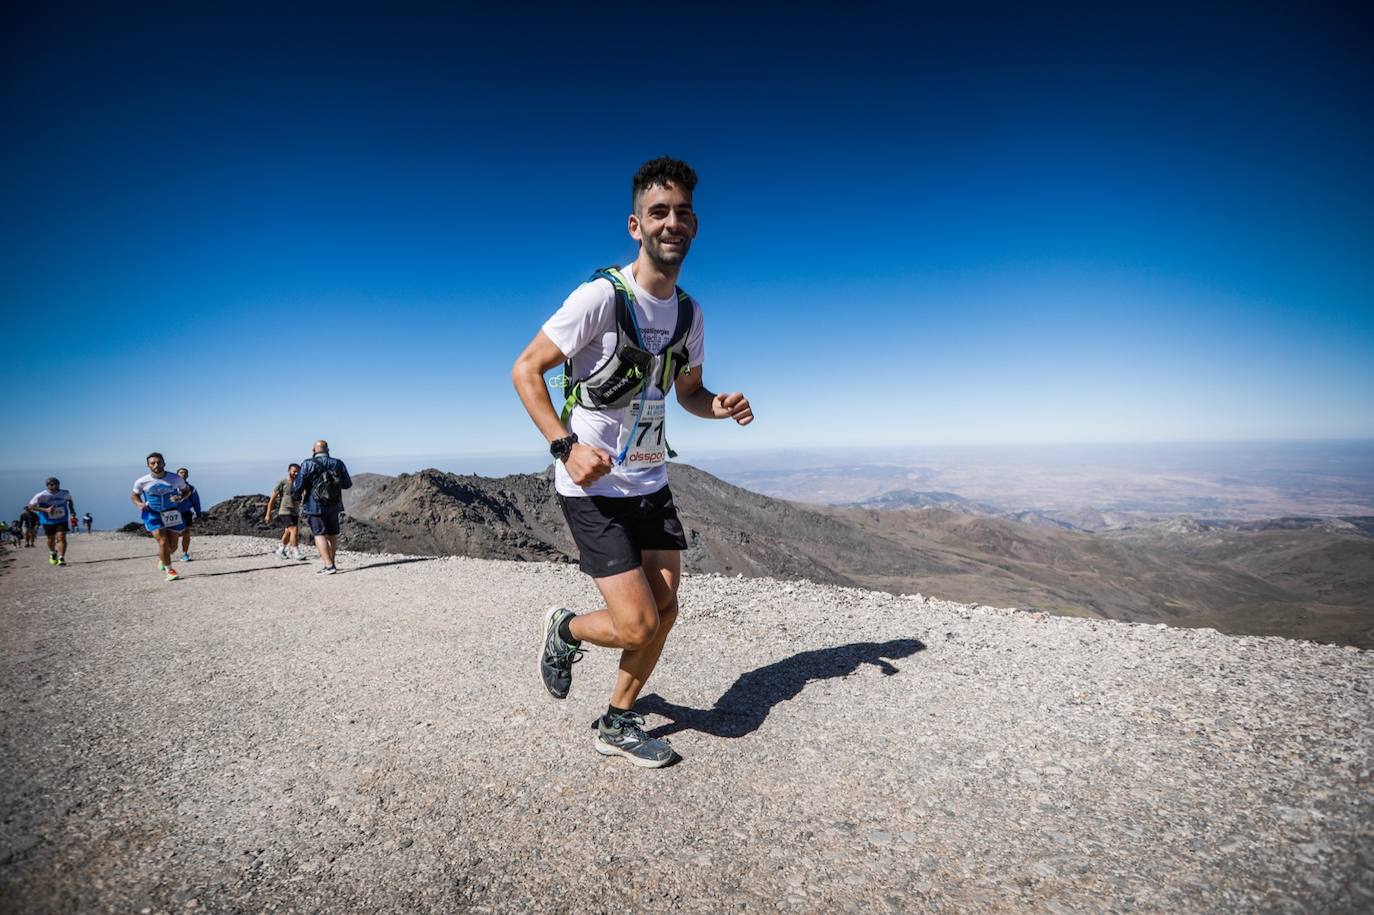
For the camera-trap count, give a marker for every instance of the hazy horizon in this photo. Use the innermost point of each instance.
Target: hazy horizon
(1246, 476)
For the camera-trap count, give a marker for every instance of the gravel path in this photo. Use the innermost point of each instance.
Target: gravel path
(258, 737)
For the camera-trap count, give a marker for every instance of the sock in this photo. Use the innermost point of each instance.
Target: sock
(611, 712)
(565, 632)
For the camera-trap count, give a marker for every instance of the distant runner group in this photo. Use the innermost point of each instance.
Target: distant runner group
(625, 338)
(168, 506)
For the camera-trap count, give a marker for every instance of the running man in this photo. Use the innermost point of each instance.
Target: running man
(157, 495)
(320, 485)
(288, 513)
(54, 506)
(625, 337)
(87, 520)
(190, 509)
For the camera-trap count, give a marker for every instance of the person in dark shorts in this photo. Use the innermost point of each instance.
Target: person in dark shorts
(288, 513)
(55, 507)
(625, 338)
(29, 519)
(87, 520)
(319, 486)
(190, 510)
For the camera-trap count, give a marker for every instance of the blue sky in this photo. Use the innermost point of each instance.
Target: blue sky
(227, 236)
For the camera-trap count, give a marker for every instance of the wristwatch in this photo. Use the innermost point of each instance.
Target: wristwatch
(562, 447)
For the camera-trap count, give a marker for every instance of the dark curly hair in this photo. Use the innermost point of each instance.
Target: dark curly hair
(664, 172)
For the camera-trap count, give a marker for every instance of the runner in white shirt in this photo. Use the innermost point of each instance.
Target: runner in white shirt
(55, 510)
(610, 475)
(158, 495)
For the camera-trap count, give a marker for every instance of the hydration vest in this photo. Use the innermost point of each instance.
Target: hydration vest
(627, 370)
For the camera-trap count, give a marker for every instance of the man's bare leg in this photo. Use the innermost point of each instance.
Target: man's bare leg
(186, 542)
(61, 544)
(326, 544)
(166, 543)
(641, 607)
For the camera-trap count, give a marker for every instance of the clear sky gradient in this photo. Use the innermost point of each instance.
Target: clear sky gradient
(226, 236)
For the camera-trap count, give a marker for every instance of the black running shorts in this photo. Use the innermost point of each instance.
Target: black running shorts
(50, 529)
(610, 531)
(324, 525)
(285, 521)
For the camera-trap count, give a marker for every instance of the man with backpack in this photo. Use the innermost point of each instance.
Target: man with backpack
(320, 485)
(625, 338)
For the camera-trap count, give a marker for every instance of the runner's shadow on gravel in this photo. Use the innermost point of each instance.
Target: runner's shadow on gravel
(746, 704)
(91, 562)
(389, 562)
(242, 571)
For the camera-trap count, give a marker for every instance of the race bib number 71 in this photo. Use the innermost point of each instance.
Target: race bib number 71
(643, 434)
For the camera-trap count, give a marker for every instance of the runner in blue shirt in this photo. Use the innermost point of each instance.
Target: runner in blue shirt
(54, 506)
(158, 496)
(190, 509)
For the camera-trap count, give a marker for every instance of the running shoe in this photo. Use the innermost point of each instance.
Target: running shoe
(328, 570)
(172, 574)
(556, 657)
(52, 559)
(185, 557)
(625, 736)
(281, 552)
(295, 554)
(161, 566)
(61, 560)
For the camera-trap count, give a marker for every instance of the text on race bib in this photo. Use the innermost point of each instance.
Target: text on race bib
(57, 512)
(171, 518)
(642, 436)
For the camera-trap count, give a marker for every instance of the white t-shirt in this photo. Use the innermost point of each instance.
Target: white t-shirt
(584, 328)
(158, 491)
(56, 505)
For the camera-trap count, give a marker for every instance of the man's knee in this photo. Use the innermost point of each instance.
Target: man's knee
(637, 633)
(667, 615)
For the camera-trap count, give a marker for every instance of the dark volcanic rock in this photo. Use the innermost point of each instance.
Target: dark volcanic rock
(239, 515)
(514, 517)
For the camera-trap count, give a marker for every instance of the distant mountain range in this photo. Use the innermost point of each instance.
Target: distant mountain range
(1089, 519)
(1293, 577)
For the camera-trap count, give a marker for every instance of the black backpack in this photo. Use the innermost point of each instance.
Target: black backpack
(326, 485)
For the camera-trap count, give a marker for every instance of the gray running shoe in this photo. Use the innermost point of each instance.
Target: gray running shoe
(625, 737)
(556, 657)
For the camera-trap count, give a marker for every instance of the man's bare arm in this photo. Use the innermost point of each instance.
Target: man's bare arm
(699, 401)
(585, 464)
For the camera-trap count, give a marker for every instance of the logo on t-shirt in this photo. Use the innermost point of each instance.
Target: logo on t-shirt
(655, 338)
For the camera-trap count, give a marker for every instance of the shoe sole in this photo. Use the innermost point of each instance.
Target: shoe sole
(539, 659)
(606, 749)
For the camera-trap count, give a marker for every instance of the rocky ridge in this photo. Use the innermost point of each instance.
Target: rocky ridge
(1292, 579)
